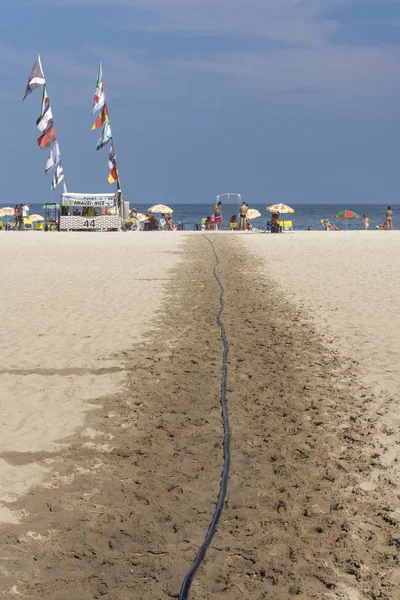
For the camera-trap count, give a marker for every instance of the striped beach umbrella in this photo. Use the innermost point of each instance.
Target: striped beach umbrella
(345, 214)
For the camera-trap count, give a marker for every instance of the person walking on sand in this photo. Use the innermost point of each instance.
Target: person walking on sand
(366, 222)
(218, 215)
(243, 216)
(389, 218)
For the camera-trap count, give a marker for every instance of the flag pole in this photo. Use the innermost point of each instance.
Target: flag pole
(47, 88)
(118, 182)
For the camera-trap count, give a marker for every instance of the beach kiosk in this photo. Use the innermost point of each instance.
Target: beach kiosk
(91, 212)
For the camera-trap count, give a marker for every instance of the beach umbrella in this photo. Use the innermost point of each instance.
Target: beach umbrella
(253, 213)
(345, 215)
(2, 213)
(8, 211)
(160, 208)
(280, 208)
(36, 218)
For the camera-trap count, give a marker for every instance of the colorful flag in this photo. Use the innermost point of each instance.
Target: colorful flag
(113, 176)
(48, 136)
(53, 159)
(57, 177)
(112, 164)
(105, 137)
(102, 118)
(36, 78)
(45, 99)
(99, 97)
(45, 118)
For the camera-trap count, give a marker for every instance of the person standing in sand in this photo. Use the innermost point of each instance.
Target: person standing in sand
(218, 215)
(366, 222)
(243, 216)
(389, 218)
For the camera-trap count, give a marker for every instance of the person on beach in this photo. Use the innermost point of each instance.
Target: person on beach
(243, 215)
(309, 228)
(218, 215)
(133, 213)
(233, 224)
(168, 220)
(366, 222)
(152, 221)
(389, 218)
(17, 215)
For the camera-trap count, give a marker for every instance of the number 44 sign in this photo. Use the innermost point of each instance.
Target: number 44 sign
(88, 223)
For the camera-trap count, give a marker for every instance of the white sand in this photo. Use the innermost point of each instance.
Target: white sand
(70, 303)
(348, 285)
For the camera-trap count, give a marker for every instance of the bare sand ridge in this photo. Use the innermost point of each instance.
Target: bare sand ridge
(347, 285)
(70, 304)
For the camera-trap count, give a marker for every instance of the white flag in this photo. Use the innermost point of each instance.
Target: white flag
(53, 159)
(57, 177)
(45, 118)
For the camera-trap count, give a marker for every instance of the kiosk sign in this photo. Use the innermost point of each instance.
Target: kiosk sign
(88, 199)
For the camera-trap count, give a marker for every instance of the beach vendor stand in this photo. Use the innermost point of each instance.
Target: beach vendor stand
(91, 212)
(51, 216)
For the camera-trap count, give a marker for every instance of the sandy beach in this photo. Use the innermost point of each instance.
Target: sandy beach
(110, 421)
(70, 306)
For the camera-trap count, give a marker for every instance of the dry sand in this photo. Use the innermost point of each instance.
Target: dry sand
(347, 286)
(126, 499)
(70, 305)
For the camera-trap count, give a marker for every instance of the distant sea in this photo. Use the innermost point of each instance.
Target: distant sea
(304, 215)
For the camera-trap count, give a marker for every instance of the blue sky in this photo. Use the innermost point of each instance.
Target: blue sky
(280, 100)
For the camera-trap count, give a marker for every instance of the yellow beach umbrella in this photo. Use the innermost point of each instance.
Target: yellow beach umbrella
(36, 218)
(253, 213)
(280, 208)
(161, 208)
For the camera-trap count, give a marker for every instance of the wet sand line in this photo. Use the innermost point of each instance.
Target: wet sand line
(123, 514)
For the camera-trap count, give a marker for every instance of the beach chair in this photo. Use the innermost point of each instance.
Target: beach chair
(39, 227)
(163, 223)
(1, 225)
(286, 225)
(28, 224)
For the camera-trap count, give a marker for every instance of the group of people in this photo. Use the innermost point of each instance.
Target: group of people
(21, 212)
(387, 224)
(152, 223)
(215, 220)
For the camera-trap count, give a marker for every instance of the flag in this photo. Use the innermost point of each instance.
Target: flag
(45, 99)
(36, 78)
(99, 98)
(112, 157)
(102, 118)
(48, 136)
(113, 176)
(112, 164)
(57, 177)
(45, 118)
(53, 159)
(105, 137)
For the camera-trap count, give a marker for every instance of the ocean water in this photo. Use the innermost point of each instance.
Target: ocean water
(304, 215)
